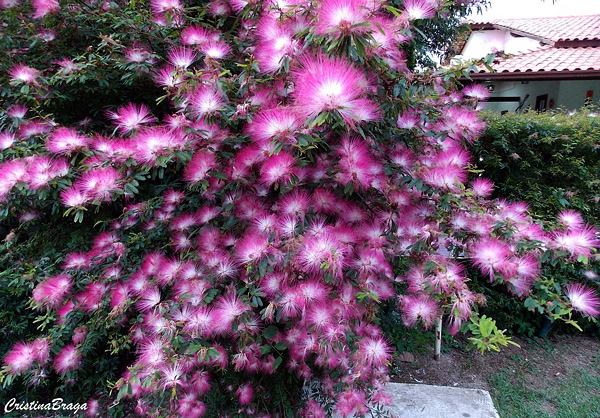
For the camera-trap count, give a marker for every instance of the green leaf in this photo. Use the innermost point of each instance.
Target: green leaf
(281, 346)
(270, 332)
(219, 175)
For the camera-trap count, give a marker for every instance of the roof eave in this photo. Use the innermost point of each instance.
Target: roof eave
(492, 26)
(537, 75)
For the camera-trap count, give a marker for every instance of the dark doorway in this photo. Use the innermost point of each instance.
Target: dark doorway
(541, 103)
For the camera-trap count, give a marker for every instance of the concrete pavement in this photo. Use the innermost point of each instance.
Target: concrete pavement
(426, 401)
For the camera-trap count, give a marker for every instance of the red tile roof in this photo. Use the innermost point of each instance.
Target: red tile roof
(548, 58)
(554, 29)
(572, 48)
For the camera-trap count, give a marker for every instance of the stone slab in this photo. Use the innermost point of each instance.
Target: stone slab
(427, 401)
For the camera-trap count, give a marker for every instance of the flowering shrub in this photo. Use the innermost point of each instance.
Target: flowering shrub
(233, 242)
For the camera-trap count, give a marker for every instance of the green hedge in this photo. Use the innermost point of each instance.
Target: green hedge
(549, 160)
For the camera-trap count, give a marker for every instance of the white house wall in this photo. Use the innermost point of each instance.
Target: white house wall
(573, 92)
(482, 43)
(567, 94)
(517, 88)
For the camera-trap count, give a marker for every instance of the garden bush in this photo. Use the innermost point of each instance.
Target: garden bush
(205, 206)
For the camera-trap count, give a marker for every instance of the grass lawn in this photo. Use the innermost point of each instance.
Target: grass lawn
(526, 389)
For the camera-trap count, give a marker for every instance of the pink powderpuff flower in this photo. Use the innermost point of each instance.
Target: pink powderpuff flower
(277, 168)
(67, 66)
(91, 298)
(446, 177)
(74, 196)
(139, 55)
(251, 247)
(79, 335)
(415, 308)
(93, 408)
(151, 143)
(482, 187)
(323, 84)
(169, 76)
(407, 120)
(20, 358)
(521, 285)
(45, 7)
(374, 352)
(11, 173)
(41, 350)
(77, 260)
(206, 100)
(571, 219)
(67, 360)
(199, 322)
(64, 311)
(198, 35)
(119, 295)
(476, 91)
(219, 8)
(296, 204)
(245, 394)
(182, 57)
(172, 375)
(355, 164)
(351, 401)
(42, 169)
(52, 291)
(319, 316)
(100, 183)
(583, 299)
(344, 17)
(418, 9)
(149, 299)
(17, 111)
(66, 141)
(8, 4)
(24, 74)
(7, 139)
(166, 6)
(463, 124)
(196, 170)
(527, 266)
(577, 242)
(131, 117)
(28, 216)
(491, 256)
(322, 252)
(313, 410)
(227, 309)
(215, 50)
(280, 123)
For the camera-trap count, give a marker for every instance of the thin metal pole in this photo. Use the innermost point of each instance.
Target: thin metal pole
(438, 339)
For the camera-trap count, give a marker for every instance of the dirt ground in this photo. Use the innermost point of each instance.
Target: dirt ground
(538, 362)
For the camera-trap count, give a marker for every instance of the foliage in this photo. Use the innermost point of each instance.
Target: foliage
(549, 160)
(486, 335)
(207, 205)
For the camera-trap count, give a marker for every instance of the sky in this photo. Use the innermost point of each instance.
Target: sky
(503, 9)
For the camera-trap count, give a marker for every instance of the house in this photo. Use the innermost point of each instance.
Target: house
(541, 63)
